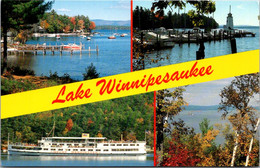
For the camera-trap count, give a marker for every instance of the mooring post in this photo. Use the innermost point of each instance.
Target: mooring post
(189, 37)
(97, 49)
(52, 50)
(233, 45)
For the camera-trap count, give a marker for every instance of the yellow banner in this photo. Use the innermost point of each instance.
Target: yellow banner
(129, 84)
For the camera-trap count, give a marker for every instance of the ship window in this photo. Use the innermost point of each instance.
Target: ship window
(53, 149)
(137, 144)
(54, 144)
(67, 149)
(105, 150)
(125, 144)
(105, 144)
(90, 150)
(60, 150)
(118, 144)
(69, 144)
(82, 149)
(75, 149)
(112, 144)
(76, 144)
(132, 144)
(45, 149)
(98, 149)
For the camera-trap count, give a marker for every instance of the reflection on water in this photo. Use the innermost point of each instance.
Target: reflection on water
(113, 56)
(15, 160)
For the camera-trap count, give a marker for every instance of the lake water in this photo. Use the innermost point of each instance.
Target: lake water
(113, 57)
(192, 118)
(144, 160)
(185, 53)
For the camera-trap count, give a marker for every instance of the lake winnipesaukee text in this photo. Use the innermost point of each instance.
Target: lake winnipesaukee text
(113, 85)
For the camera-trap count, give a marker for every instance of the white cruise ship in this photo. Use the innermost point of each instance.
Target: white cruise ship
(84, 145)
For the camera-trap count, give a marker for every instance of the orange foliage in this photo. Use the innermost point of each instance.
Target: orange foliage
(67, 29)
(92, 25)
(81, 24)
(69, 124)
(44, 24)
(73, 21)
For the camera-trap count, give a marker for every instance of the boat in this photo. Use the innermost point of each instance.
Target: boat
(83, 145)
(112, 37)
(122, 35)
(51, 35)
(71, 46)
(83, 36)
(58, 37)
(88, 38)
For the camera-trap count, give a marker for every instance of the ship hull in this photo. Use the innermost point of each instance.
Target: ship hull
(37, 153)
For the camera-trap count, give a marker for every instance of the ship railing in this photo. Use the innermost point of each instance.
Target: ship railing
(22, 144)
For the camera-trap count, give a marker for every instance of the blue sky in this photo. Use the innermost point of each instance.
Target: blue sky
(244, 12)
(105, 9)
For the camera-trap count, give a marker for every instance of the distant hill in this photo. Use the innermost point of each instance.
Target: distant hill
(100, 22)
(214, 107)
(241, 26)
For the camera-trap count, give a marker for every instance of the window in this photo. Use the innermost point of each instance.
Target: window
(90, 150)
(112, 144)
(137, 144)
(60, 150)
(75, 149)
(118, 144)
(132, 144)
(98, 150)
(45, 148)
(82, 149)
(67, 149)
(53, 149)
(105, 145)
(125, 145)
(105, 150)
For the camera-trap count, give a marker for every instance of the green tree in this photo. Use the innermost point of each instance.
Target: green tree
(19, 15)
(204, 126)
(91, 72)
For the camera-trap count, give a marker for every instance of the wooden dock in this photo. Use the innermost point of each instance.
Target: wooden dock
(43, 49)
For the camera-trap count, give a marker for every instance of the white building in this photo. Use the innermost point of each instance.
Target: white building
(229, 25)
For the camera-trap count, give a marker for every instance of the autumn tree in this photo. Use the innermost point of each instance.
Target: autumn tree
(81, 24)
(237, 96)
(18, 15)
(92, 25)
(73, 22)
(168, 104)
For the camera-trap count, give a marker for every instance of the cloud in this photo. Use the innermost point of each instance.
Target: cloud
(121, 5)
(240, 7)
(63, 10)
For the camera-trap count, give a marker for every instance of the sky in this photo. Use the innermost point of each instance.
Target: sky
(244, 12)
(104, 9)
(207, 94)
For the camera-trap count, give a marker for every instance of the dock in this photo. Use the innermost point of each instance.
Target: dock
(43, 49)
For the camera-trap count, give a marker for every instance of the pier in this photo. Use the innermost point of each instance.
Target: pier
(43, 49)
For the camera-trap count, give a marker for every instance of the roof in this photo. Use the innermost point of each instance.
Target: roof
(76, 137)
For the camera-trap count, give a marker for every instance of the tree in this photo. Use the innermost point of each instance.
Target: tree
(201, 8)
(91, 72)
(237, 96)
(92, 25)
(18, 15)
(168, 104)
(73, 21)
(81, 24)
(204, 126)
